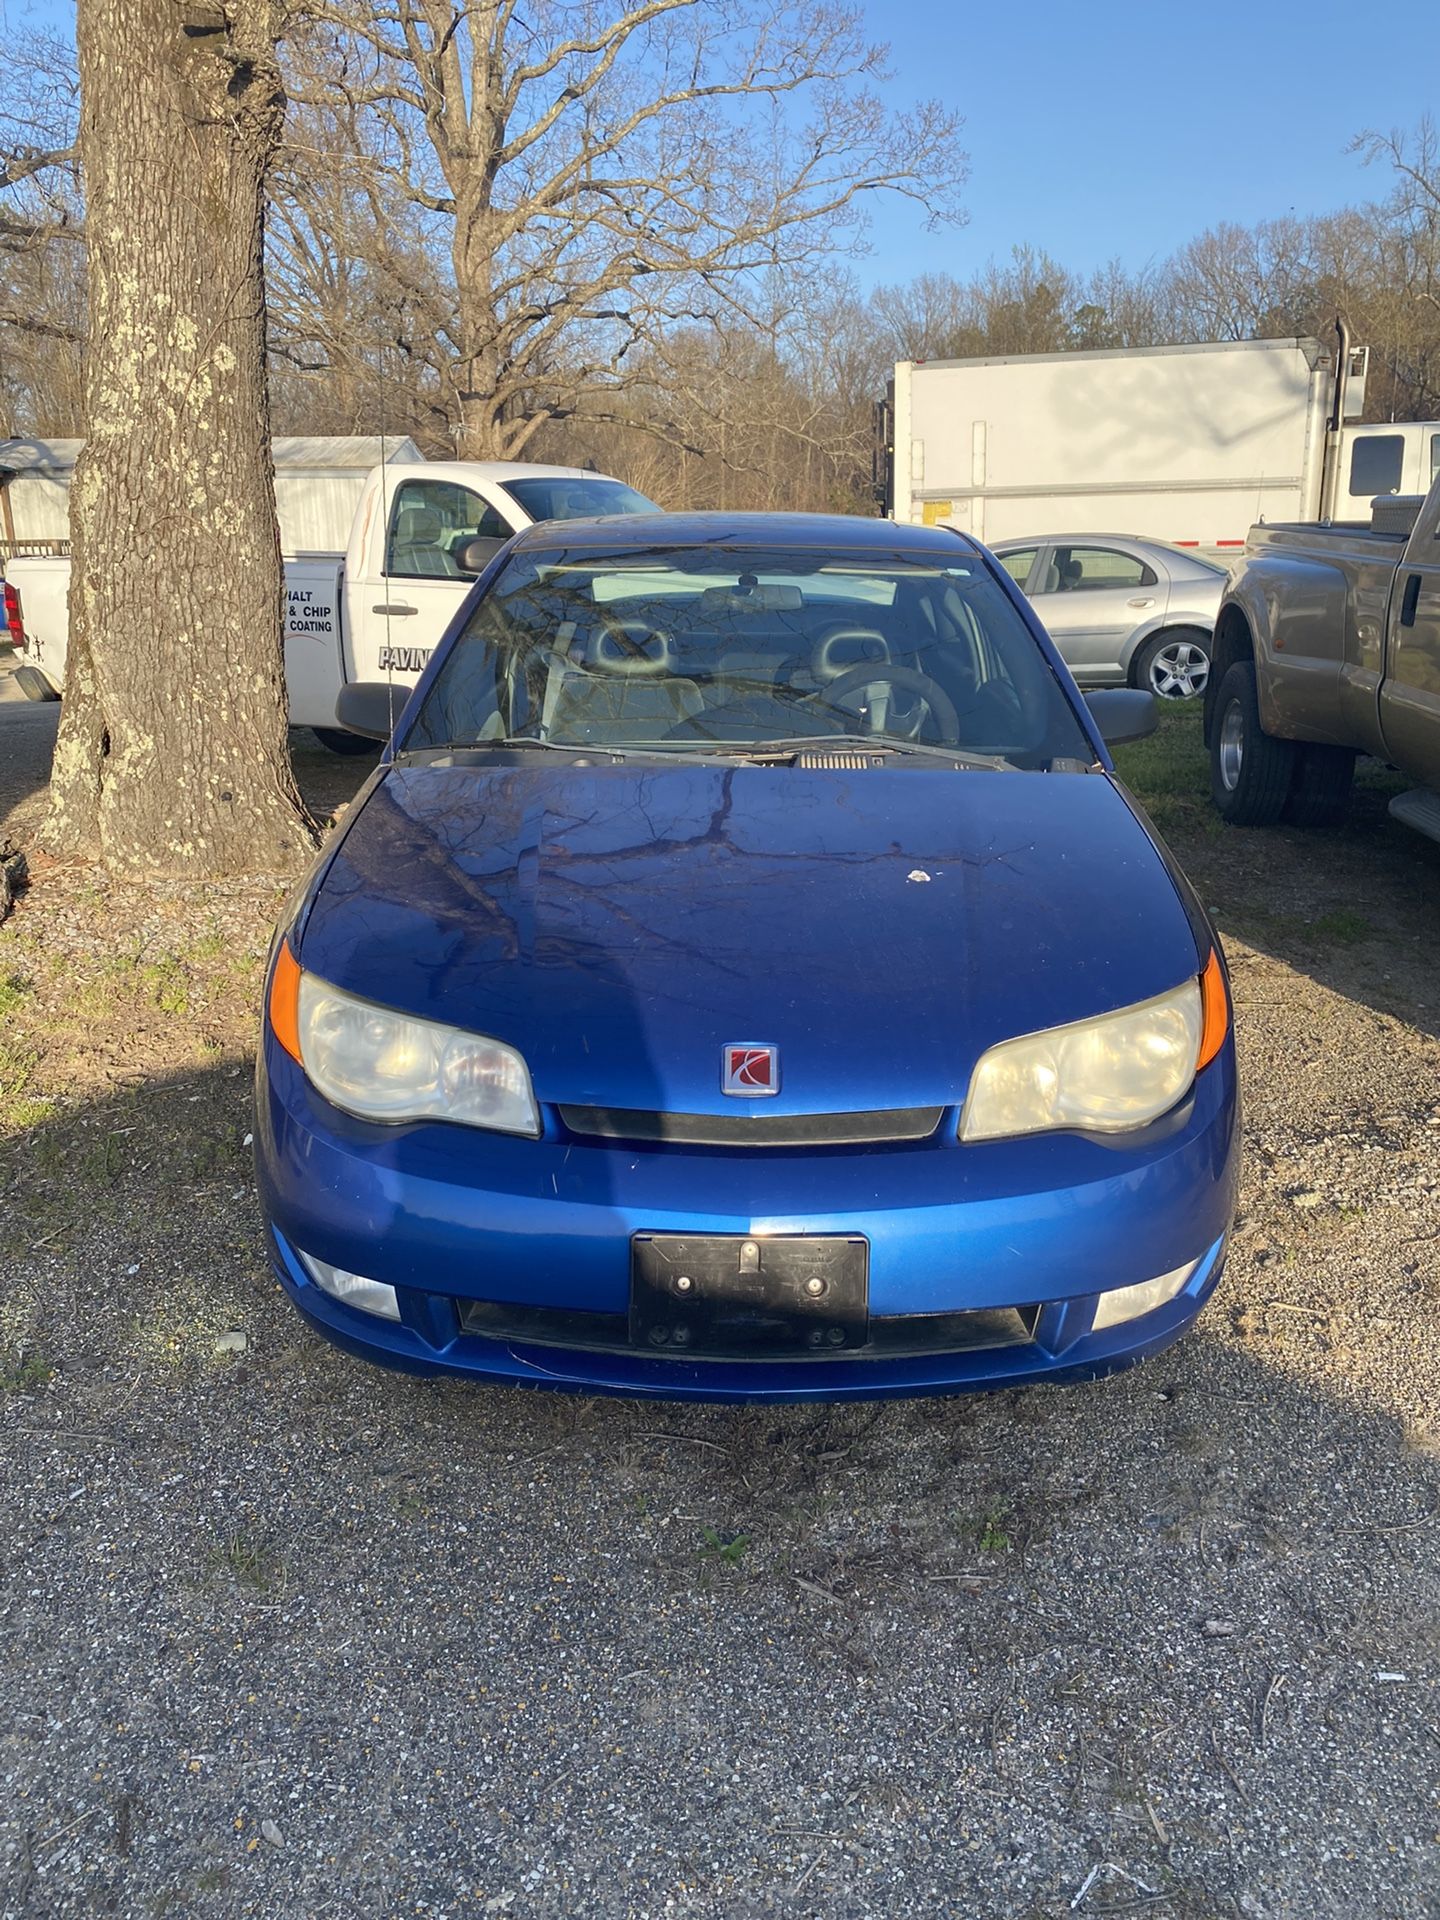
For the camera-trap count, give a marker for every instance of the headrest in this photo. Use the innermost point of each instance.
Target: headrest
(416, 525)
(631, 648)
(842, 648)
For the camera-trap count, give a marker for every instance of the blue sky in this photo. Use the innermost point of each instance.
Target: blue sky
(1108, 128)
(1114, 128)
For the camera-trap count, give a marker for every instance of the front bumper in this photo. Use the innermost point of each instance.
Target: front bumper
(449, 1215)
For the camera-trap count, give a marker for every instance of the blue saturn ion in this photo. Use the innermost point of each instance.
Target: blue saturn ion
(745, 978)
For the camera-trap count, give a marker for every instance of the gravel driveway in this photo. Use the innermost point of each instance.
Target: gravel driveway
(286, 1636)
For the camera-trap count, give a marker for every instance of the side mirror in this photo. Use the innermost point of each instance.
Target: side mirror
(473, 556)
(1123, 714)
(370, 708)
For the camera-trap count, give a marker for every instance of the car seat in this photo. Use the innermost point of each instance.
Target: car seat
(622, 685)
(415, 548)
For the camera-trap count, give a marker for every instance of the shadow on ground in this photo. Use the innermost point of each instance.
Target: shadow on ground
(1354, 908)
(488, 1652)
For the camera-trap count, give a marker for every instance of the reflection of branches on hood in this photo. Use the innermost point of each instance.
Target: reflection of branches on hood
(381, 860)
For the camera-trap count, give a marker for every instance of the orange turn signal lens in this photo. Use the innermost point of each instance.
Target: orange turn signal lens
(1215, 1007)
(285, 1001)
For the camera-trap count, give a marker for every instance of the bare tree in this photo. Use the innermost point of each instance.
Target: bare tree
(42, 286)
(932, 317)
(1402, 287)
(359, 304)
(600, 176)
(172, 748)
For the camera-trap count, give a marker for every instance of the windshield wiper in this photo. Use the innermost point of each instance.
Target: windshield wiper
(600, 749)
(869, 743)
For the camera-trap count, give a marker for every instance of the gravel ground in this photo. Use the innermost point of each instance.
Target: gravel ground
(284, 1635)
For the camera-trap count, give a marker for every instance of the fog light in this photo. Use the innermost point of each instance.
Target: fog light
(1128, 1303)
(353, 1289)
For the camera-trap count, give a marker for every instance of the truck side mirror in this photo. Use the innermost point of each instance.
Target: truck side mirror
(370, 708)
(1123, 714)
(474, 555)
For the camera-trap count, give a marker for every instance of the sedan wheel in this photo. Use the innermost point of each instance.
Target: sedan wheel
(1175, 666)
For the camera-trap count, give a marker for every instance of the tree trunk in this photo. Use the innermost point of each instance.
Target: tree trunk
(483, 434)
(172, 756)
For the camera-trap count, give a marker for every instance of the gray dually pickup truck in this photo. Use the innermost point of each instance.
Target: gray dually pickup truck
(1327, 645)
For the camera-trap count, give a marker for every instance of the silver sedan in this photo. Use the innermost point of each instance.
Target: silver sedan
(1122, 612)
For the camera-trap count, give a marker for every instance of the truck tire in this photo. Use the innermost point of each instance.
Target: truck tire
(339, 741)
(1250, 772)
(33, 684)
(1320, 791)
(1173, 664)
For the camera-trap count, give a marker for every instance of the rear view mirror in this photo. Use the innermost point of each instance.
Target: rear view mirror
(370, 708)
(1123, 714)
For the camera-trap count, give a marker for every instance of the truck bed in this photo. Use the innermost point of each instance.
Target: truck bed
(1336, 539)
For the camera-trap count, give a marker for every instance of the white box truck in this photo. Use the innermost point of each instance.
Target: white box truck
(1190, 445)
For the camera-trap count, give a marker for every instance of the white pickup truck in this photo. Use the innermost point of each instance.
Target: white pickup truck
(421, 533)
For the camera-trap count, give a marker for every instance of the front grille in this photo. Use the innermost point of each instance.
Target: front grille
(892, 1336)
(751, 1129)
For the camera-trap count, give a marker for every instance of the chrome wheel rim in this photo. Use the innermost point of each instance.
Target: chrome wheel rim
(1179, 671)
(1232, 746)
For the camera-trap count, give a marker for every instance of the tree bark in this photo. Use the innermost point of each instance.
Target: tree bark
(172, 755)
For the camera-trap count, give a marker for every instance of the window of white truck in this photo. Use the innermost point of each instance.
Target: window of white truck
(564, 497)
(430, 521)
(1377, 465)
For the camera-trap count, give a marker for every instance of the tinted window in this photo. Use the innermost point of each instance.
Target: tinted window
(1377, 465)
(429, 521)
(577, 499)
(1018, 564)
(1084, 569)
(1434, 457)
(727, 649)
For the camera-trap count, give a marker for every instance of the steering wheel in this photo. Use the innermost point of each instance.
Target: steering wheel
(902, 680)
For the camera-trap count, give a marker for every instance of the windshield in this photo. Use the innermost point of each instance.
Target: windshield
(718, 649)
(568, 497)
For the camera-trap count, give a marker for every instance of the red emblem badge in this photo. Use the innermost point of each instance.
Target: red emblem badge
(749, 1070)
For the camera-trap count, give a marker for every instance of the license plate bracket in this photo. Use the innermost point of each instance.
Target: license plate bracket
(722, 1296)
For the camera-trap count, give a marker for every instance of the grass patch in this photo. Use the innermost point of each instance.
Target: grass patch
(1289, 931)
(1169, 774)
(249, 1562)
(726, 1550)
(13, 993)
(17, 1103)
(1342, 928)
(103, 1160)
(991, 1531)
(26, 1372)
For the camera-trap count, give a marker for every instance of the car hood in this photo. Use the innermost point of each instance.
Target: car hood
(620, 925)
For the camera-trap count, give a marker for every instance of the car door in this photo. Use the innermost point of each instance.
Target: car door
(1091, 599)
(1410, 691)
(401, 614)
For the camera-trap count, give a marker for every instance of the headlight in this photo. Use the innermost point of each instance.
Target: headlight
(1103, 1076)
(384, 1065)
